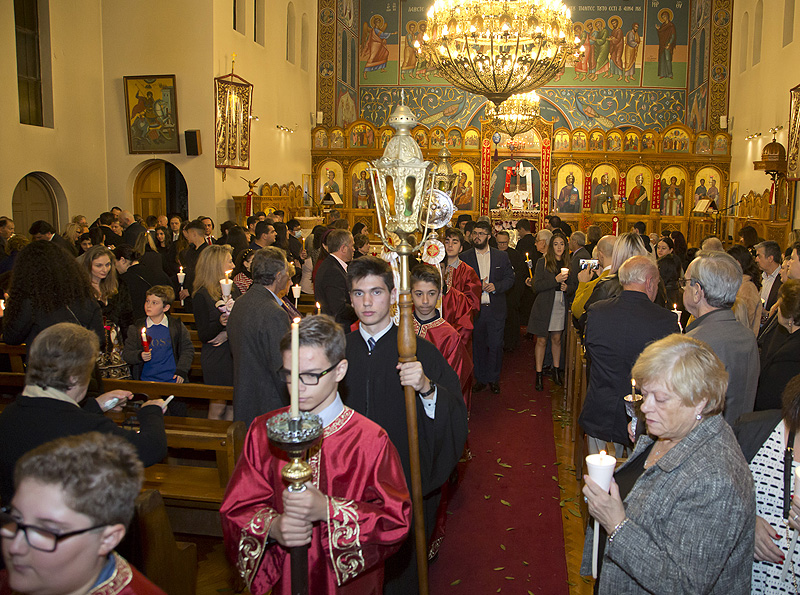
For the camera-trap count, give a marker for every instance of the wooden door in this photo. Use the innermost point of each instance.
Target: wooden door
(150, 193)
(33, 200)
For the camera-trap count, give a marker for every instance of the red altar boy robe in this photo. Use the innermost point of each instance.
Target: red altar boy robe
(369, 509)
(462, 301)
(126, 580)
(447, 340)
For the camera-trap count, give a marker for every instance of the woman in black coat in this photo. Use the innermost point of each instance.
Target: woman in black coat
(215, 356)
(549, 313)
(780, 358)
(47, 287)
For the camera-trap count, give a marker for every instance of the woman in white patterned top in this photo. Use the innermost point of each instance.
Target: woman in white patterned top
(770, 442)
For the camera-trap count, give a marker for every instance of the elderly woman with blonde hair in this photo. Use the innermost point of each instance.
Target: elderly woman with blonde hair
(680, 513)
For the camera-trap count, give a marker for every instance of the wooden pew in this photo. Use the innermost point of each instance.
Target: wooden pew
(187, 390)
(151, 547)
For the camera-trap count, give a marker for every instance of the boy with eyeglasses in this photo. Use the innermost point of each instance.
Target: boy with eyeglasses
(354, 513)
(74, 500)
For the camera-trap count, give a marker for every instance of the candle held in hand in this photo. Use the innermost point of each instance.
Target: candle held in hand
(319, 309)
(226, 285)
(294, 409)
(601, 468)
(145, 341)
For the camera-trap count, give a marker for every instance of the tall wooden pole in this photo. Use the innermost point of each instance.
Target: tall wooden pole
(407, 349)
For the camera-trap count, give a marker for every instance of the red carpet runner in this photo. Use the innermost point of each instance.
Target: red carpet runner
(505, 532)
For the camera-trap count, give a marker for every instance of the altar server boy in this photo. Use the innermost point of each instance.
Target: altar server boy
(169, 351)
(354, 513)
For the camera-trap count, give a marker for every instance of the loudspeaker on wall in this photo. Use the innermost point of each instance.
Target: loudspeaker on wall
(193, 142)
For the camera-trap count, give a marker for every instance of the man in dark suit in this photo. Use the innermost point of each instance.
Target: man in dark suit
(296, 247)
(132, 228)
(526, 248)
(640, 228)
(768, 258)
(511, 332)
(497, 277)
(42, 230)
(110, 238)
(330, 284)
(617, 331)
(255, 329)
(577, 248)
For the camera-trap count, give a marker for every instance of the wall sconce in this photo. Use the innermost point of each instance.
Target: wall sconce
(774, 130)
(284, 128)
(752, 136)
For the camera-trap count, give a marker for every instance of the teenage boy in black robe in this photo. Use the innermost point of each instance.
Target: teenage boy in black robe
(374, 387)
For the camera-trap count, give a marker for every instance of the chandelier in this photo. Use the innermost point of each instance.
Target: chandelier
(497, 48)
(516, 145)
(516, 115)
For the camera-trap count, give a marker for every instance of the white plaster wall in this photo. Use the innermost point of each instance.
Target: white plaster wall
(154, 37)
(284, 94)
(73, 151)
(759, 96)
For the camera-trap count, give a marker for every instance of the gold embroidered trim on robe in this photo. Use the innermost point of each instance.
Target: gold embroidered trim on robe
(121, 577)
(344, 540)
(252, 543)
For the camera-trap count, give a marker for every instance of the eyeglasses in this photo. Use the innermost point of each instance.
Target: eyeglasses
(307, 378)
(682, 281)
(38, 538)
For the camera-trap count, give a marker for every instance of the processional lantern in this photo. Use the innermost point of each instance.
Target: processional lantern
(408, 204)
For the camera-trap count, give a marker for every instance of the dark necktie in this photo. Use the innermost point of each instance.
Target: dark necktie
(371, 344)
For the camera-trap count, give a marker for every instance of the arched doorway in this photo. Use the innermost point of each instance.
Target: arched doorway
(160, 189)
(34, 198)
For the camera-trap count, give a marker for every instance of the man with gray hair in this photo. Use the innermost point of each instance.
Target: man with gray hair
(255, 329)
(710, 285)
(712, 244)
(617, 331)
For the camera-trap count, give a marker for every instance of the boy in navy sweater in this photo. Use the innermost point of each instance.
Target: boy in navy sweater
(170, 352)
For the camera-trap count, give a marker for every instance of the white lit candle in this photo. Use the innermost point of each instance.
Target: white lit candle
(677, 313)
(296, 293)
(226, 285)
(181, 276)
(2, 307)
(601, 470)
(294, 409)
(528, 262)
(319, 309)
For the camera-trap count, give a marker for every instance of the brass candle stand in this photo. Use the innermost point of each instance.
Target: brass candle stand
(296, 436)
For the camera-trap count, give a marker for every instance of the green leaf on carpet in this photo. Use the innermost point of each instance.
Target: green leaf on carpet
(486, 496)
(499, 475)
(455, 582)
(511, 409)
(577, 514)
(526, 464)
(571, 584)
(504, 503)
(510, 529)
(500, 568)
(554, 477)
(502, 547)
(585, 579)
(509, 578)
(524, 410)
(526, 564)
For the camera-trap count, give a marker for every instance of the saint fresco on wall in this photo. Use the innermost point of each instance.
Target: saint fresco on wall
(463, 193)
(361, 196)
(604, 189)
(640, 181)
(569, 185)
(673, 191)
(707, 185)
